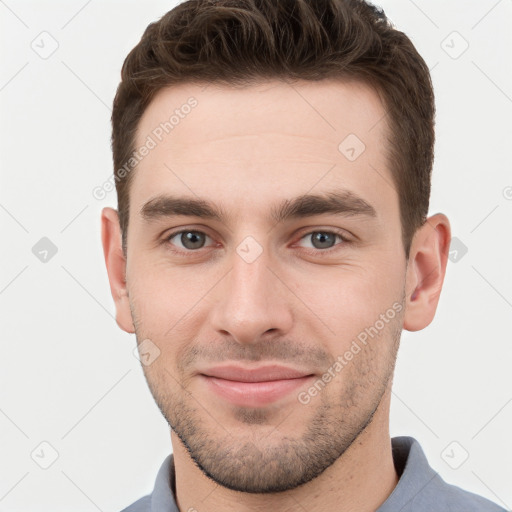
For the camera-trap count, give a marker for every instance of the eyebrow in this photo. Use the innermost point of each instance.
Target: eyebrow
(343, 202)
(168, 206)
(336, 202)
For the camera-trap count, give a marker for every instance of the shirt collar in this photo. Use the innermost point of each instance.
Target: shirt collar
(413, 470)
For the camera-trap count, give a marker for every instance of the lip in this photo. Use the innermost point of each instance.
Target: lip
(254, 387)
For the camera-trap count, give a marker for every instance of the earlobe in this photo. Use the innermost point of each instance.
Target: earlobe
(116, 267)
(425, 271)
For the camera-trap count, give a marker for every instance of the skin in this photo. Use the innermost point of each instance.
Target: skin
(298, 304)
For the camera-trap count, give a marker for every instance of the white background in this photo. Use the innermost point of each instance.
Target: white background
(68, 374)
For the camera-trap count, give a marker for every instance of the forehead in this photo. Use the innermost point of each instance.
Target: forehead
(246, 145)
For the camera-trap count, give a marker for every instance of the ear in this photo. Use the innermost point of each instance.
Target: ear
(425, 271)
(116, 267)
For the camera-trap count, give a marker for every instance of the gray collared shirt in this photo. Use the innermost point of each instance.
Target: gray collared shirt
(419, 489)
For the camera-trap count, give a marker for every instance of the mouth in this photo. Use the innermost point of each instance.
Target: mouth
(254, 387)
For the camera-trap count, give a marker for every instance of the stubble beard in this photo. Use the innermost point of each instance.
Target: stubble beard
(264, 462)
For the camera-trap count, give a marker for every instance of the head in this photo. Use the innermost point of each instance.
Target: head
(272, 163)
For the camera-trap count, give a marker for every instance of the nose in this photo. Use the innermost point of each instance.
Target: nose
(251, 303)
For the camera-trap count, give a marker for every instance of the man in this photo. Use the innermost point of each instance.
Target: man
(272, 163)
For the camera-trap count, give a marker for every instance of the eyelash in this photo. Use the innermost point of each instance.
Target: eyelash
(343, 238)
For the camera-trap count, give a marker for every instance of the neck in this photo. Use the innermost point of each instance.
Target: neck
(360, 480)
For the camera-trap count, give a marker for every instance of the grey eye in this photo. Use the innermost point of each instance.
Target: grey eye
(189, 239)
(320, 239)
(193, 239)
(323, 239)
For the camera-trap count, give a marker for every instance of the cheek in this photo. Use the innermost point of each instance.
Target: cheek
(169, 306)
(164, 294)
(353, 297)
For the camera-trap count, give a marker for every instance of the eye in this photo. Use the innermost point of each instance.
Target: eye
(322, 239)
(188, 239)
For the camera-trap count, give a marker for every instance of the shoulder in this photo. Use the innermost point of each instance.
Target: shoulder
(453, 499)
(421, 488)
(141, 505)
(162, 497)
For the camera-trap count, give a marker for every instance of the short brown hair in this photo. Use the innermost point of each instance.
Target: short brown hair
(247, 41)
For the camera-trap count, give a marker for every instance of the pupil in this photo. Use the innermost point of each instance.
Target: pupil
(323, 240)
(192, 240)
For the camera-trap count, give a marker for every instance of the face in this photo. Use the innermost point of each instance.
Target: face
(266, 273)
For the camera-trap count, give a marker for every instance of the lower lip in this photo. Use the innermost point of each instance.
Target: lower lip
(254, 394)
